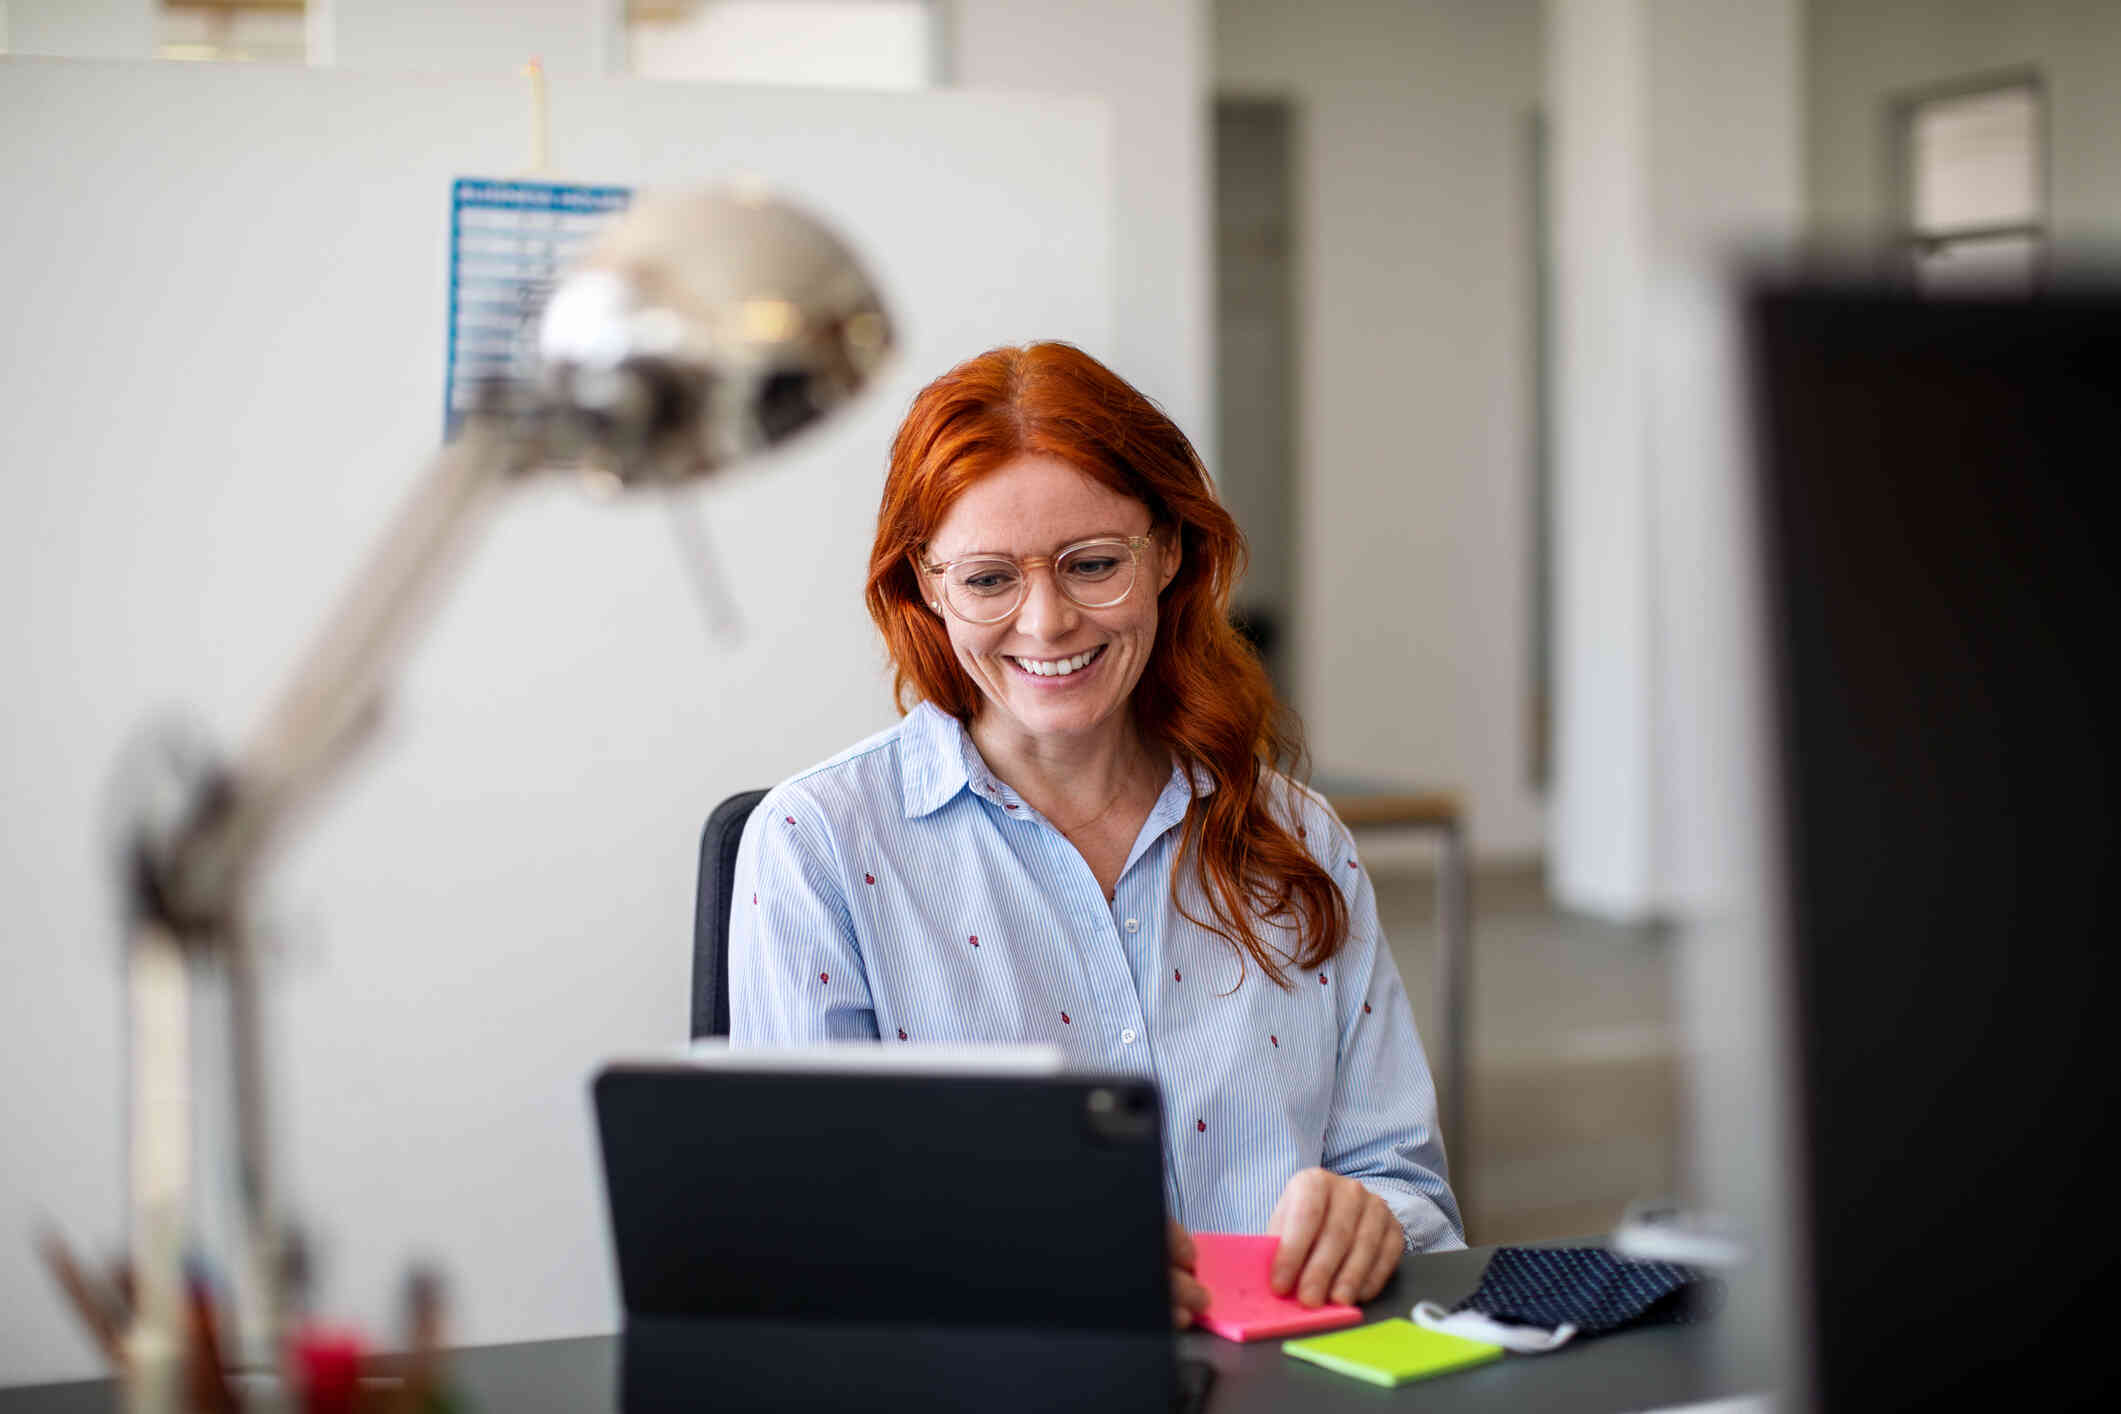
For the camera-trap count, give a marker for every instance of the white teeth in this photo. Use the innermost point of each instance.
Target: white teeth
(1055, 667)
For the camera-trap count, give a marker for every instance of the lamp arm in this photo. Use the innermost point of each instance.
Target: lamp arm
(200, 872)
(701, 328)
(190, 878)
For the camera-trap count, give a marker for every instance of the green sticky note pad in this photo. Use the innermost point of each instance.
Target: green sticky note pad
(1392, 1352)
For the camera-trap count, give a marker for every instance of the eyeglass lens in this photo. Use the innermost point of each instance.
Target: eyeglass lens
(1096, 575)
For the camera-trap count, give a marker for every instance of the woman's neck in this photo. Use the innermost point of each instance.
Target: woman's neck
(1069, 780)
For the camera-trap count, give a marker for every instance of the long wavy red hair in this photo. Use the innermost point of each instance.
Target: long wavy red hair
(1203, 696)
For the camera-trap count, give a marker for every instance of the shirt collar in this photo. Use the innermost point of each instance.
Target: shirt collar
(937, 760)
(934, 751)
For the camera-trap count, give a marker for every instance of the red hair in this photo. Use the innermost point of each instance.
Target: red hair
(1203, 696)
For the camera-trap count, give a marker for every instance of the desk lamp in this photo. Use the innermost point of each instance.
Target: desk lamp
(700, 330)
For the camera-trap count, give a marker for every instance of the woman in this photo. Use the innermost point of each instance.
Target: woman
(1077, 834)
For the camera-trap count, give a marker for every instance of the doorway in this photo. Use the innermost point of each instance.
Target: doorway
(1256, 364)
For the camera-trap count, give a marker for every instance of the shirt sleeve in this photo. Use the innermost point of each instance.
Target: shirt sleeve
(796, 974)
(1382, 1130)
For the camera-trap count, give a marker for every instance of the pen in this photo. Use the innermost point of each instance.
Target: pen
(97, 1307)
(204, 1373)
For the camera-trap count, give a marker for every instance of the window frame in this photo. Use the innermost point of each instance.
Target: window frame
(1910, 243)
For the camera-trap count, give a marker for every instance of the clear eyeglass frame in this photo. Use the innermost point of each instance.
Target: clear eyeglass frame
(1132, 544)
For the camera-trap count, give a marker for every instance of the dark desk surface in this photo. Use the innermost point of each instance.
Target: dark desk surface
(1632, 1370)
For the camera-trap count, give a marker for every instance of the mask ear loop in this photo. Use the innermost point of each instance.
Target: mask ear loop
(1473, 1325)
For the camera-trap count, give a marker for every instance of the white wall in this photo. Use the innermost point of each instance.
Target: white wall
(84, 29)
(571, 38)
(1411, 629)
(227, 297)
(1678, 140)
(1862, 54)
(1601, 852)
(1149, 60)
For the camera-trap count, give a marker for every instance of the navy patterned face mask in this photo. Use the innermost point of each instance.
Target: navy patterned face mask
(1535, 1299)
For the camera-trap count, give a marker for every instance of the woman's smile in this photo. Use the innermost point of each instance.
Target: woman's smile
(1057, 672)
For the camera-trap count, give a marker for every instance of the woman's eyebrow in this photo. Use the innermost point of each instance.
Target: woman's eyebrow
(1017, 555)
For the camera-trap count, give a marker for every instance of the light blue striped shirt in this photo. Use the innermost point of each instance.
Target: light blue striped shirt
(902, 891)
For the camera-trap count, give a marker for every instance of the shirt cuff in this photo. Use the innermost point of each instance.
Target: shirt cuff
(1427, 1227)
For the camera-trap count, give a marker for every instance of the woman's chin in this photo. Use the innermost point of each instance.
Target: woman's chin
(1043, 718)
(1042, 712)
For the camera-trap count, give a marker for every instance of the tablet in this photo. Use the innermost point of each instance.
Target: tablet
(864, 1226)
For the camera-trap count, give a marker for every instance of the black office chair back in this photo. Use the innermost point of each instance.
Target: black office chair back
(710, 912)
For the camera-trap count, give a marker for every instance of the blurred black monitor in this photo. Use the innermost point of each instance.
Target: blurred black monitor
(1940, 552)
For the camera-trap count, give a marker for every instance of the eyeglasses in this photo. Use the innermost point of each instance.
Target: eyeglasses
(1095, 574)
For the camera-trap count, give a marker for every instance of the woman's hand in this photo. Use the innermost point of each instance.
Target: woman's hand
(1338, 1240)
(1188, 1297)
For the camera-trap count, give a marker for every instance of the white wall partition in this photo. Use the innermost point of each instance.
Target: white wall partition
(226, 292)
(1414, 289)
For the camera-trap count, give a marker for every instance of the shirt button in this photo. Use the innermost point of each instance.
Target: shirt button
(1126, 1037)
(1133, 925)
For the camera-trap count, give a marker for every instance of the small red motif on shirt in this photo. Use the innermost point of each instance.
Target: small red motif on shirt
(1276, 1040)
(1065, 1021)
(1365, 1008)
(1010, 806)
(824, 977)
(902, 1033)
(1201, 1125)
(1300, 833)
(1321, 979)
(1175, 977)
(754, 900)
(868, 878)
(974, 940)
(1351, 864)
(789, 818)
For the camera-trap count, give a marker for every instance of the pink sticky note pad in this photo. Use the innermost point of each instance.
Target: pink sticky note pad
(1235, 1267)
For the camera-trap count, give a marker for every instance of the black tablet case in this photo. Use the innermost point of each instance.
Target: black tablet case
(791, 1240)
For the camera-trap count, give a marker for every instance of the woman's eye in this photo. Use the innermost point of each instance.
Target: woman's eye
(988, 581)
(1092, 566)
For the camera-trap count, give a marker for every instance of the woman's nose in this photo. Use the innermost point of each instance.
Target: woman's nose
(1046, 612)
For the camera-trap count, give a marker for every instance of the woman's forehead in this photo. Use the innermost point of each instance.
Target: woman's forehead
(1031, 506)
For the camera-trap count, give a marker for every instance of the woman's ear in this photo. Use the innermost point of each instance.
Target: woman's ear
(1169, 556)
(921, 584)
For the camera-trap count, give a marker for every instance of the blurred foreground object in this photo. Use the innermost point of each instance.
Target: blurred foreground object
(1930, 965)
(701, 329)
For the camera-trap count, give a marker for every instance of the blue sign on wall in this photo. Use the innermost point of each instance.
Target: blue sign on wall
(508, 242)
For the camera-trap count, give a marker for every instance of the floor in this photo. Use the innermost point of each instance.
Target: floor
(1574, 1071)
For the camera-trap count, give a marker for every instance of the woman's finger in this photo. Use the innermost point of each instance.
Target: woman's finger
(1352, 1283)
(1336, 1236)
(1296, 1221)
(1188, 1298)
(1391, 1248)
(1181, 1245)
